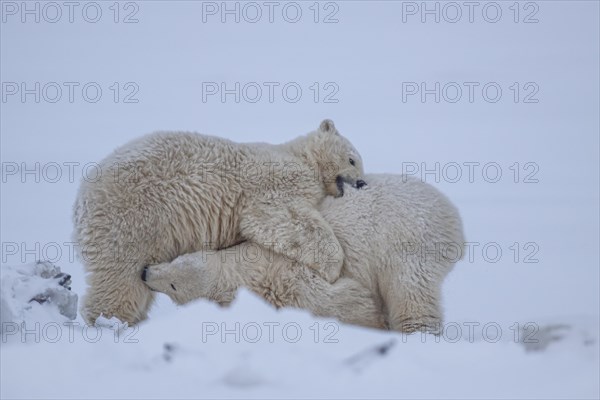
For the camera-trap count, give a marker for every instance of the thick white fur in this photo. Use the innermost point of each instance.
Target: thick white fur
(400, 238)
(167, 194)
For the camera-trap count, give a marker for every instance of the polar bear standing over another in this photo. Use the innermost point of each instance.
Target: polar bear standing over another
(167, 194)
(400, 237)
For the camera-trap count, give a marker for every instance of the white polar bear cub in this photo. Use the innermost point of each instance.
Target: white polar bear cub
(400, 237)
(171, 193)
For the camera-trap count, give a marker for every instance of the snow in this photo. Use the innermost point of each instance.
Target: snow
(253, 350)
(542, 213)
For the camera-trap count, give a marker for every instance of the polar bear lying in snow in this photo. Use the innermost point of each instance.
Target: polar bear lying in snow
(169, 194)
(400, 238)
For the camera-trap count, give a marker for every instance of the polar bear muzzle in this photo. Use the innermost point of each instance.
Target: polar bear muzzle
(340, 180)
(360, 184)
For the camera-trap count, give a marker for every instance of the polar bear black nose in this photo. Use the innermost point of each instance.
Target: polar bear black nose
(144, 273)
(360, 183)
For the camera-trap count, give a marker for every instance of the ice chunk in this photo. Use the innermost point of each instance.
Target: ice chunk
(36, 292)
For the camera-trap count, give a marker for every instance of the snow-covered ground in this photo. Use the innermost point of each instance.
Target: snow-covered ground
(374, 68)
(252, 350)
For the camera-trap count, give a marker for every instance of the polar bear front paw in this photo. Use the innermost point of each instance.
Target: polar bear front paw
(330, 260)
(330, 271)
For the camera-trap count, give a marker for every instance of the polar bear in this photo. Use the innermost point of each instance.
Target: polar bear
(171, 193)
(400, 237)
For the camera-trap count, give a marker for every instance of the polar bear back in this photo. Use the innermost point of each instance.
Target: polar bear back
(175, 189)
(397, 221)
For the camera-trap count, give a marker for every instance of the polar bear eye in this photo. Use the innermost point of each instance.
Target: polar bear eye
(351, 161)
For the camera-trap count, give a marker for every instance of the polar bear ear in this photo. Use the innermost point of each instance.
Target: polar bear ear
(327, 126)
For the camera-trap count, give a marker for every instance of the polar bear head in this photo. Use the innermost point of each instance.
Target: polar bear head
(337, 159)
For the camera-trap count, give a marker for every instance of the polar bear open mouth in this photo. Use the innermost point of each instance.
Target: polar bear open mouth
(340, 180)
